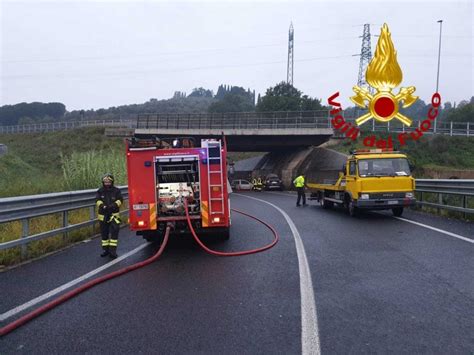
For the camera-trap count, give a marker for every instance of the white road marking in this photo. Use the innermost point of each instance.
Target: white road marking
(436, 229)
(309, 319)
(409, 221)
(59, 289)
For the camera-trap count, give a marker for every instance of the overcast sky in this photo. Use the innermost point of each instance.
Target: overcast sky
(100, 54)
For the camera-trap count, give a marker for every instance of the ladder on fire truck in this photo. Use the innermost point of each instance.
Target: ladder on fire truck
(215, 188)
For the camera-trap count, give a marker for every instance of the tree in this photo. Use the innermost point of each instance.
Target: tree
(233, 99)
(464, 112)
(11, 114)
(232, 103)
(201, 92)
(285, 97)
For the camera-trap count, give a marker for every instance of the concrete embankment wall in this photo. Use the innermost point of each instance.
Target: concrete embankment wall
(323, 165)
(319, 164)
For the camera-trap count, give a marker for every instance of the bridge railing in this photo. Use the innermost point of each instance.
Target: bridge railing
(236, 120)
(26, 208)
(444, 128)
(240, 120)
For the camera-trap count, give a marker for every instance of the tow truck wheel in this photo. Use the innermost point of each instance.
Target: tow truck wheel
(397, 211)
(325, 203)
(350, 207)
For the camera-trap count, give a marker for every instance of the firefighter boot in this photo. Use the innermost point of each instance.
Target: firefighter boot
(113, 252)
(113, 248)
(105, 247)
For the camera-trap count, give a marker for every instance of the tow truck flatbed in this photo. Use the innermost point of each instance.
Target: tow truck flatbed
(371, 180)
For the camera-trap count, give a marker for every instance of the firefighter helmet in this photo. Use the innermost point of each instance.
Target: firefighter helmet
(108, 177)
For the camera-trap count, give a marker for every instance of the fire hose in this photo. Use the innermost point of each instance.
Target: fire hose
(68, 295)
(236, 253)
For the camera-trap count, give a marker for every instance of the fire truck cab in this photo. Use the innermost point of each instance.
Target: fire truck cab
(163, 172)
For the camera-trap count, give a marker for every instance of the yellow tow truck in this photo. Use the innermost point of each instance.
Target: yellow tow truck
(375, 179)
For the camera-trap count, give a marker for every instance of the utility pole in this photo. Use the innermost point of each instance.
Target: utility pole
(439, 52)
(289, 69)
(437, 75)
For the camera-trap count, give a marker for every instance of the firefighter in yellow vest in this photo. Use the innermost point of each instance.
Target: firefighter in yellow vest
(299, 183)
(257, 184)
(108, 201)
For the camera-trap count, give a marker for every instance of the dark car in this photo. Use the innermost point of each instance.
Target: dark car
(273, 182)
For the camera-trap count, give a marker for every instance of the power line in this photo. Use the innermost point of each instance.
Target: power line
(151, 54)
(32, 76)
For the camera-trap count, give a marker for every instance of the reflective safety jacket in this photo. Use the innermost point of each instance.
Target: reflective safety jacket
(299, 181)
(108, 201)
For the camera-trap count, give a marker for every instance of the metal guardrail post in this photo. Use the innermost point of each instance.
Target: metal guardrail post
(65, 224)
(451, 129)
(92, 216)
(25, 232)
(464, 205)
(440, 200)
(467, 129)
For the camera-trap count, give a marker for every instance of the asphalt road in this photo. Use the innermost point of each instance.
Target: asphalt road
(379, 285)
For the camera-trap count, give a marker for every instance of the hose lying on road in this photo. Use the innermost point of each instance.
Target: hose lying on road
(236, 253)
(63, 298)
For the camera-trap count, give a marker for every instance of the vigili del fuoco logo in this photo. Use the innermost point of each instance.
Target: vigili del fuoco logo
(384, 74)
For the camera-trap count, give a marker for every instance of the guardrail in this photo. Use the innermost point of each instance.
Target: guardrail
(25, 208)
(443, 187)
(240, 120)
(67, 125)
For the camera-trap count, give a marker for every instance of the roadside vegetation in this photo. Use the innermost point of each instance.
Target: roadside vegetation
(441, 153)
(53, 162)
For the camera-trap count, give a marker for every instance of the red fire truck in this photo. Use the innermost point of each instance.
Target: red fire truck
(163, 172)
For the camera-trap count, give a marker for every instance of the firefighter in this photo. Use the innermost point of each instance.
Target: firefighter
(257, 184)
(108, 201)
(299, 183)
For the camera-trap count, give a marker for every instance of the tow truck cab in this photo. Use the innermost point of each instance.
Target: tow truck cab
(371, 179)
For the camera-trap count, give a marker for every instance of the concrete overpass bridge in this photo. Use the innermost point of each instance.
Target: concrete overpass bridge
(245, 131)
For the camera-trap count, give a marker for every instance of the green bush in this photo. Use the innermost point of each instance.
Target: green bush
(84, 170)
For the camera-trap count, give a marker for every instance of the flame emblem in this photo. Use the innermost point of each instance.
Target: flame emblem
(384, 74)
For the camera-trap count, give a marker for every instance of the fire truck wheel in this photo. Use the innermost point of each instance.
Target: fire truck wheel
(397, 211)
(226, 233)
(153, 236)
